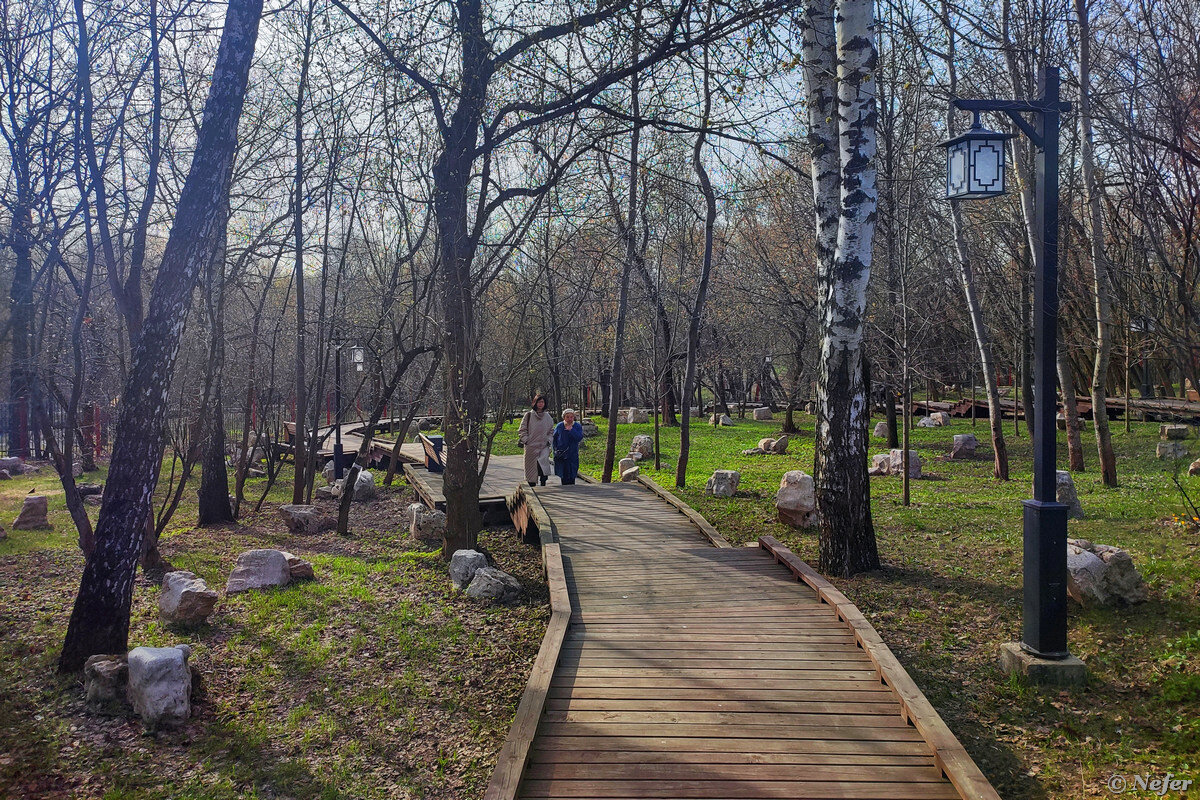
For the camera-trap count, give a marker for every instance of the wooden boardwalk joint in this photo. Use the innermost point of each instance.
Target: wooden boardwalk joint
(674, 667)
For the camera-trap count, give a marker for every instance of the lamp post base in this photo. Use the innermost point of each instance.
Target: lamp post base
(1069, 671)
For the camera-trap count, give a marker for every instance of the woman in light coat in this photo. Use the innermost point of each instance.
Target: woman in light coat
(537, 426)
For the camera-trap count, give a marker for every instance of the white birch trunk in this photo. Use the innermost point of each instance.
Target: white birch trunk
(847, 538)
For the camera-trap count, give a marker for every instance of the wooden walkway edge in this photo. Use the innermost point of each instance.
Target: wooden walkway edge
(665, 672)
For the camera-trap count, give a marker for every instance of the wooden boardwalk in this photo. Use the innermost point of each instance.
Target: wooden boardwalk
(673, 668)
(503, 474)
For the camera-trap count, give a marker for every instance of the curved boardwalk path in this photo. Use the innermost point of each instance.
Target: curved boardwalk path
(681, 669)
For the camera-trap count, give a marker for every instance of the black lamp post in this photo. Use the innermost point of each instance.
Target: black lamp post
(356, 356)
(975, 169)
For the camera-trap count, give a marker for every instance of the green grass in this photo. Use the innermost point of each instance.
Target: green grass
(374, 681)
(949, 594)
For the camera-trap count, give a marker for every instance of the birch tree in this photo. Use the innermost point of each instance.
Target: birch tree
(843, 153)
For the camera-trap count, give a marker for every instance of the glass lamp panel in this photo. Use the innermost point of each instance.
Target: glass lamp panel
(987, 167)
(956, 170)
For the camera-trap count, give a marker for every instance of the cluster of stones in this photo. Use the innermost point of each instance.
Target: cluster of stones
(1061, 421)
(720, 421)
(470, 571)
(589, 427)
(768, 447)
(938, 419)
(1102, 575)
(1170, 447)
(364, 484)
(157, 681)
(892, 463)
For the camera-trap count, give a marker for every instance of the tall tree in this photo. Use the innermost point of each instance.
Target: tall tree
(1100, 269)
(100, 617)
(847, 534)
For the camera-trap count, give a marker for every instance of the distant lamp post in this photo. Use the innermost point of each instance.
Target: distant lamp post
(975, 169)
(357, 358)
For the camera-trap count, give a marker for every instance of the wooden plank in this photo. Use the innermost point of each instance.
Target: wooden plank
(570, 755)
(510, 764)
(683, 773)
(698, 789)
(669, 744)
(949, 753)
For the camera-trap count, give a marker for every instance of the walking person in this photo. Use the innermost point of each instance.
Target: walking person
(567, 436)
(537, 427)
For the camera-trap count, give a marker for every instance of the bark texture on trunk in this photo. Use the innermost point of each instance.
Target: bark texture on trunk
(463, 375)
(100, 617)
(1066, 380)
(843, 490)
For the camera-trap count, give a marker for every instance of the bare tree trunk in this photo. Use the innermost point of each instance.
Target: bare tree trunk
(301, 457)
(693, 343)
(847, 534)
(966, 273)
(1100, 268)
(610, 442)
(214, 506)
(100, 617)
(1066, 380)
(465, 409)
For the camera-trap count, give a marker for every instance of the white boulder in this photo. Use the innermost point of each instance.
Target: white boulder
(1170, 450)
(763, 413)
(160, 684)
(897, 463)
(630, 475)
(881, 429)
(637, 416)
(364, 486)
(644, 445)
(426, 524)
(259, 569)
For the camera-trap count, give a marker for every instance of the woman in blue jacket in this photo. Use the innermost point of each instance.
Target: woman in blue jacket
(567, 436)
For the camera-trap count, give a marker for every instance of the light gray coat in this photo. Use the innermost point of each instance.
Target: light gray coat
(534, 435)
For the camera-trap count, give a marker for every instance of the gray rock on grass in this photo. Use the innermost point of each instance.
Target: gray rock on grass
(1064, 489)
(306, 519)
(723, 483)
(425, 524)
(964, 446)
(493, 584)
(33, 516)
(763, 413)
(463, 566)
(185, 599)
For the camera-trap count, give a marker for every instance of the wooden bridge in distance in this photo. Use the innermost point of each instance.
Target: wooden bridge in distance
(677, 666)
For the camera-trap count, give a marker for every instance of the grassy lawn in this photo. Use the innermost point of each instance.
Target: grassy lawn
(374, 681)
(949, 595)
(377, 681)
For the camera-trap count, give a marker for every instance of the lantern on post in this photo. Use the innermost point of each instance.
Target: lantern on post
(975, 163)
